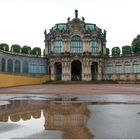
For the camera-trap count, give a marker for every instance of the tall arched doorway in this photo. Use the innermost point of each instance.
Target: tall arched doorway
(58, 71)
(94, 70)
(76, 70)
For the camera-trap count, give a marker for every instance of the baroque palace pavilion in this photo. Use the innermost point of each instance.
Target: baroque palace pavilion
(75, 51)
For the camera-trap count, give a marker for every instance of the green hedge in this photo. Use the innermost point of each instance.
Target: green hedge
(15, 48)
(36, 51)
(4, 46)
(26, 49)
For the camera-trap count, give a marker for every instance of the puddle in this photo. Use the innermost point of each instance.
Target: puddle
(32, 118)
(67, 118)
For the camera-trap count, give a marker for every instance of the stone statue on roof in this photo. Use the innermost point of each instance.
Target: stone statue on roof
(68, 19)
(45, 32)
(104, 33)
(76, 13)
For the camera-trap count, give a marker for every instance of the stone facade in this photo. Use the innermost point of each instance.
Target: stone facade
(22, 64)
(76, 50)
(124, 68)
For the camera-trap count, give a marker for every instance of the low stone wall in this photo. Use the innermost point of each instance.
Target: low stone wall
(8, 80)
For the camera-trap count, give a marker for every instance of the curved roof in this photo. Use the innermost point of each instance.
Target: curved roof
(60, 26)
(90, 26)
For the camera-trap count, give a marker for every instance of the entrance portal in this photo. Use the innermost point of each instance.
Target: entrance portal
(58, 71)
(76, 70)
(94, 70)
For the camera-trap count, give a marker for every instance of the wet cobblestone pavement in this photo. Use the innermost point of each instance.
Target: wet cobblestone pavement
(64, 114)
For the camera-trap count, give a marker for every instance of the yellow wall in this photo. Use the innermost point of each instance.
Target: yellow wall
(7, 80)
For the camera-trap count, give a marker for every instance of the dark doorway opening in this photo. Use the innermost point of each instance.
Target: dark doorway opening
(94, 70)
(58, 71)
(76, 70)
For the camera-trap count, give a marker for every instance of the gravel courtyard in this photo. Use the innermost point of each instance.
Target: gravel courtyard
(74, 89)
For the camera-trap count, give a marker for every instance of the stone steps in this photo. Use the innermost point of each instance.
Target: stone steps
(83, 82)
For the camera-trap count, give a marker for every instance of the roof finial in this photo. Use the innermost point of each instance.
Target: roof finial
(76, 13)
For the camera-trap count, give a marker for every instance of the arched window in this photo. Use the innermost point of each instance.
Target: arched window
(3, 65)
(76, 44)
(136, 67)
(25, 67)
(109, 68)
(127, 67)
(94, 45)
(118, 68)
(10, 66)
(57, 45)
(17, 66)
(33, 67)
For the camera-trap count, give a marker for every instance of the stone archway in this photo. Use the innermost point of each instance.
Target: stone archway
(94, 70)
(58, 71)
(76, 70)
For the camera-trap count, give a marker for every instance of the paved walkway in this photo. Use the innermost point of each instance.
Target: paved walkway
(75, 89)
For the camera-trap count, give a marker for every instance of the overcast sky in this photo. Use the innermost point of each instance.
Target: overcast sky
(24, 21)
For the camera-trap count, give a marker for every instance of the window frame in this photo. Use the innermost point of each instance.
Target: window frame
(76, 44)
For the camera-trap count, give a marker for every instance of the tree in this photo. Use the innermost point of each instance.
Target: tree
(116, 51)
(136, 44)
(15, 48)
(126, 49)
(4, 46)
(26, 49)
(107, 51)
(36, 51)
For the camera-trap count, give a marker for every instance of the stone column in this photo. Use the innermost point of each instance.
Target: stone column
(86, 70)
(52, 46)
(86, 45)
(46, 48)
(63, 71)
(0, 63)
(122, 67)
(52, 71)
(13, 65)
(66, 70)
(21, 66)
(99, 75)
(113, 68)
(89, 46)
(63, 45)
(6, 65)
(99, 46)
(89, 71)
(69, 70)
(104, 48)
(131, 67)
(83, 70)
(68, 45)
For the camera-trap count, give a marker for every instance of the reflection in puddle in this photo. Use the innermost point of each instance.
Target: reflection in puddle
(64, 115)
